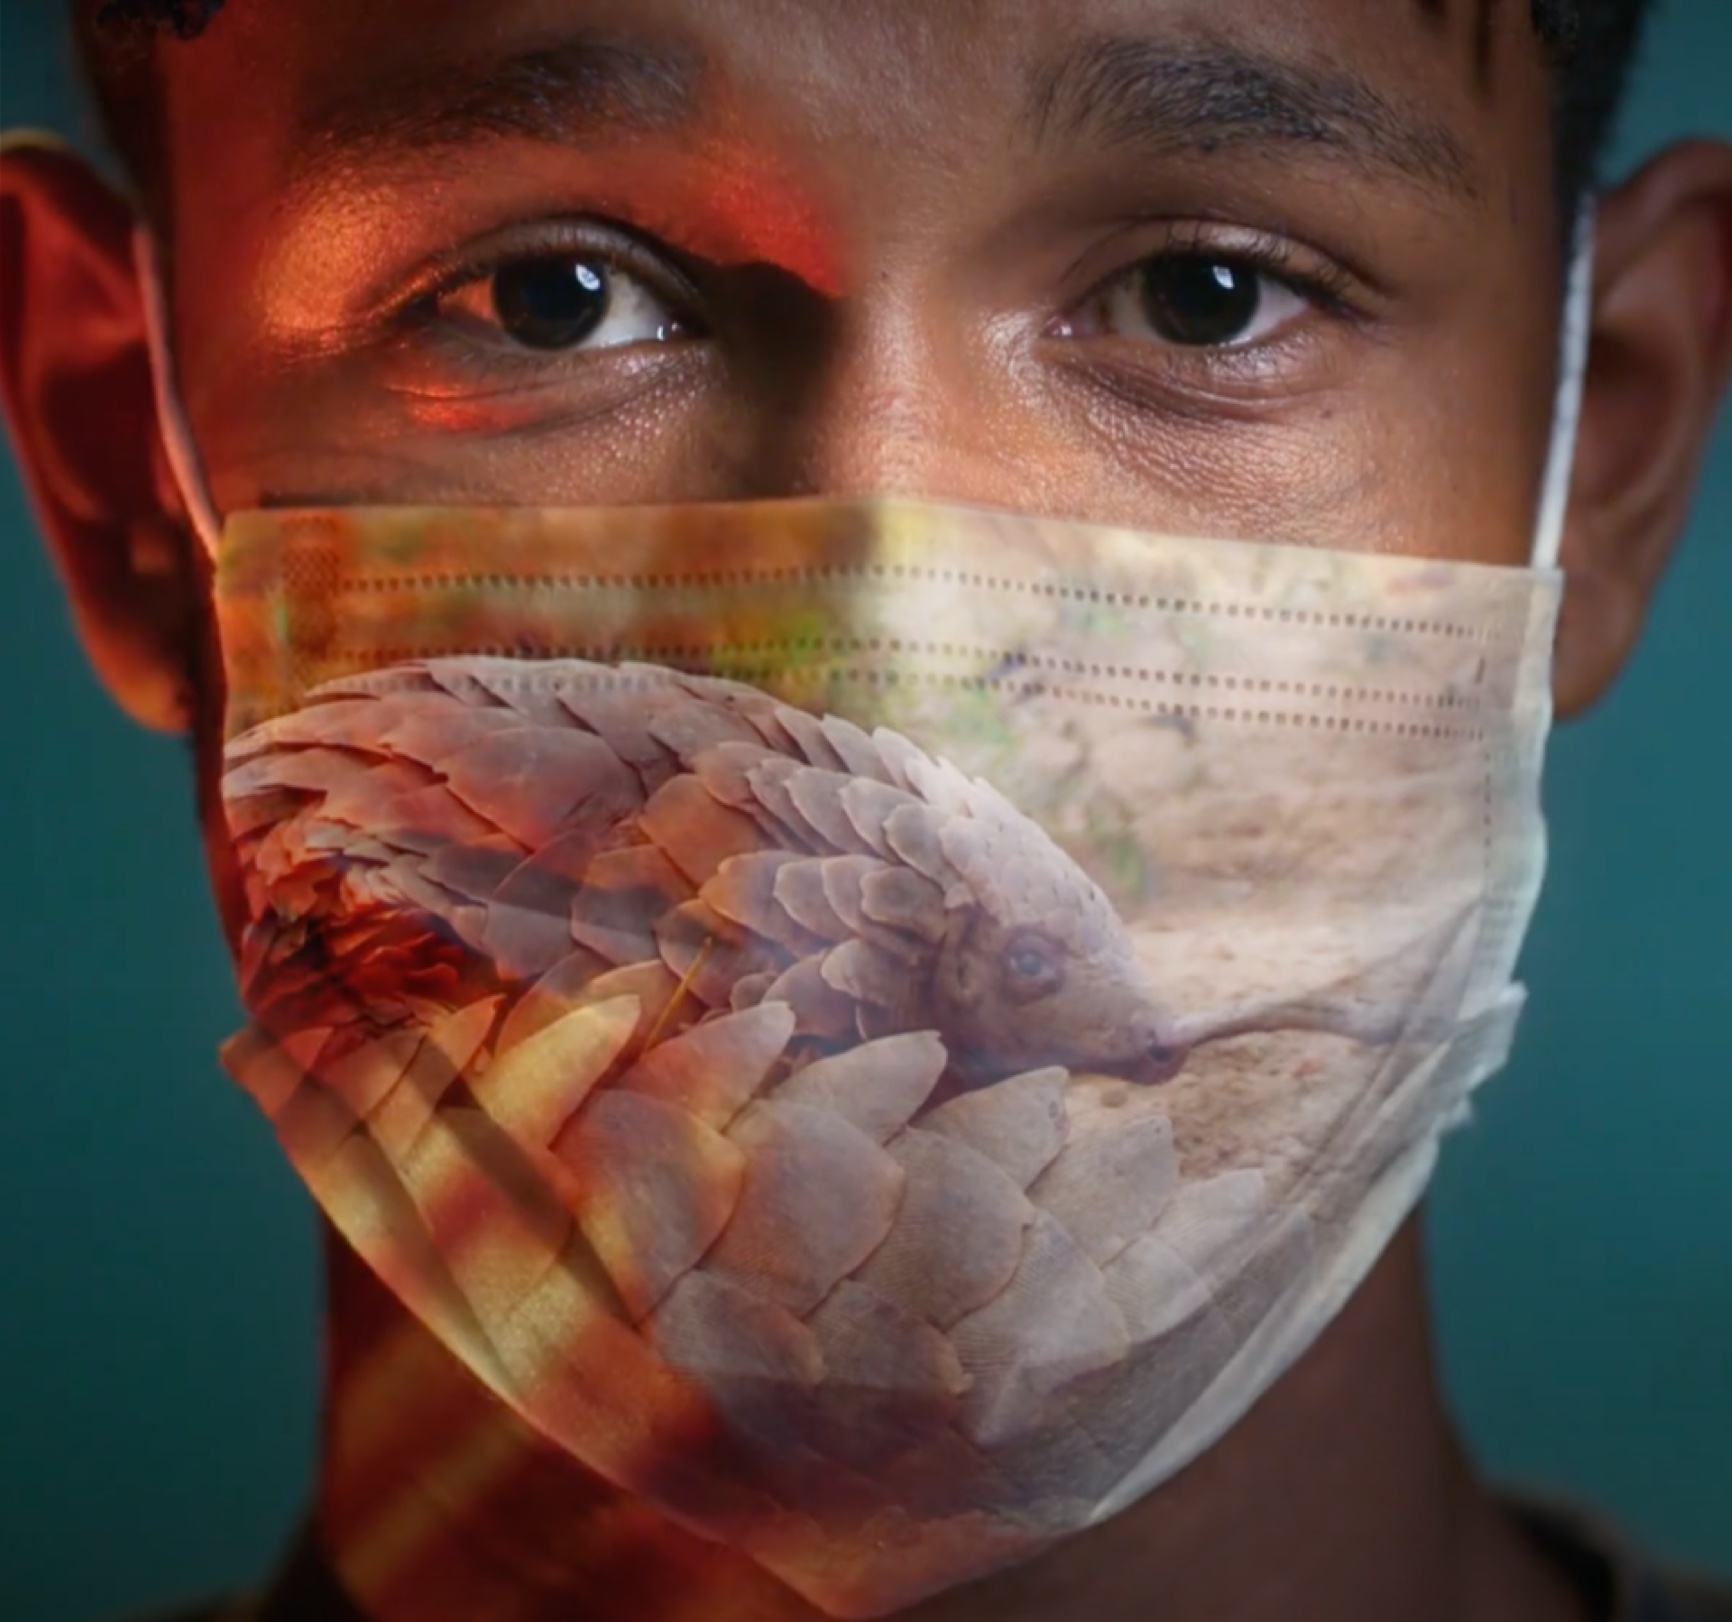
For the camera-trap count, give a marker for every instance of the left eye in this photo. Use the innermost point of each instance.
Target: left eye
(1197, 300)
(564, 301)
(1031, 968)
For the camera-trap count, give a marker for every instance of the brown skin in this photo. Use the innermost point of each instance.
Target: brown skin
(890, 283)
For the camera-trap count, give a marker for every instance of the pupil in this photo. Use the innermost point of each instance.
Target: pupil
(549, 303)
(1200, 301)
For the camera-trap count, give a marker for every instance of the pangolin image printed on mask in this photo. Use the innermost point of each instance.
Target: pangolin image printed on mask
(887, 1099)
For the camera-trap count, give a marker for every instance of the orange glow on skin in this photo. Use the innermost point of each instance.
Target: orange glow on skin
(715, 198)
(752, 210)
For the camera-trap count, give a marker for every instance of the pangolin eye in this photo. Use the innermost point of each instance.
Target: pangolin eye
(1028, 962)
(1032, 967)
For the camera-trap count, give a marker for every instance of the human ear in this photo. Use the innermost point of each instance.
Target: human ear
(76, 381)
(1660, 360)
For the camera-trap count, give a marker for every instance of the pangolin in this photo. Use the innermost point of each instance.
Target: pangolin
(682, 1055)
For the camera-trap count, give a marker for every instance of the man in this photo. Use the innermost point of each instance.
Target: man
(1293, 271)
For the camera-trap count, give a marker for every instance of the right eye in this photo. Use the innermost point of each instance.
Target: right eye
(564, 301)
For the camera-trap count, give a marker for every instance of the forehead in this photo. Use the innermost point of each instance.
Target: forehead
(855, 93)
(852, 51)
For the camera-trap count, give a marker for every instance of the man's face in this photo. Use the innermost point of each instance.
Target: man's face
(1281, 269)
(1277, 269)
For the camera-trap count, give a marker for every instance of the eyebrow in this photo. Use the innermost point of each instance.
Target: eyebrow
(584, 88)
(1165, 98)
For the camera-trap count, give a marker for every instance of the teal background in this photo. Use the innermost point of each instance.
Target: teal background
(158, 1334)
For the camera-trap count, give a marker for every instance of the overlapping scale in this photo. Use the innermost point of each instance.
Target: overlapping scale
(672, 1127)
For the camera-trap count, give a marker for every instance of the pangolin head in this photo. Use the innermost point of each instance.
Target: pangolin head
(1036, 967)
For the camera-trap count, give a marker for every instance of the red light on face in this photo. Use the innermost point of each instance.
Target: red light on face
(751, 210)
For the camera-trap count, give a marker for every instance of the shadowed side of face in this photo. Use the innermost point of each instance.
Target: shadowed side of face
(1279, 270)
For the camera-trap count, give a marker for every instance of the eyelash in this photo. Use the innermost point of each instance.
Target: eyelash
(614, 244)
(1322, 283)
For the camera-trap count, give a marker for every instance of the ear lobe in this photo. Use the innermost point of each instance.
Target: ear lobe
(1660, 359)
(75, 378)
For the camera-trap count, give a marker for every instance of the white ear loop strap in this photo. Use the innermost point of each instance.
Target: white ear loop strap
(1572, 379)
(177, 442)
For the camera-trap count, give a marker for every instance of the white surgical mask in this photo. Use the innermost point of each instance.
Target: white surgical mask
(879, 1027)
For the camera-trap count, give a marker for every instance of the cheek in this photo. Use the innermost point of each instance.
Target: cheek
(340, 434)
(1429, 454)
(1462, 476)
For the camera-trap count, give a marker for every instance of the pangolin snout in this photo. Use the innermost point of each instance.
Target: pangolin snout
(1157, 1063)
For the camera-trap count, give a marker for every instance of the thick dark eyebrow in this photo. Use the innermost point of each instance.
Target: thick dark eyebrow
(582, 89)
(1169, 98)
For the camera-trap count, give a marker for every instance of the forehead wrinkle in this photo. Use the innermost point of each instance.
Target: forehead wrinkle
(1168, 97)
(586, 88)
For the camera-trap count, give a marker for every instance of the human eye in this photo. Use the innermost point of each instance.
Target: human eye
(543, 297)
(1200, 296)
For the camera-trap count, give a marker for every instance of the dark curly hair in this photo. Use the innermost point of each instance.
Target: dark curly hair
(1592, 44)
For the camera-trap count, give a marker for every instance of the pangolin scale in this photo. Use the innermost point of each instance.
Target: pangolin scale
(696, 1065)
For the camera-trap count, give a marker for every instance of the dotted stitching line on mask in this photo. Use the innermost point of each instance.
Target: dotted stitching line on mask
(1172, 707)
(363, 664)
(996, 656)
(717, 578)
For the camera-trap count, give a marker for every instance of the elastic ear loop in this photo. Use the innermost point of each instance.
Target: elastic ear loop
(1572, 380)
(177, 442)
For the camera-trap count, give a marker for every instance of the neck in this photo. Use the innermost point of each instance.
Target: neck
(1342, 1494)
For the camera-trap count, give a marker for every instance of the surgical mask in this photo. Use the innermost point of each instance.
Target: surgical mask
(881, 1028)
